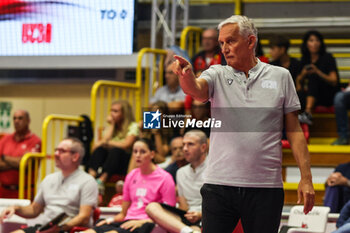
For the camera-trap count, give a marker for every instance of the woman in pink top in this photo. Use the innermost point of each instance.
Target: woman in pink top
(145, 184)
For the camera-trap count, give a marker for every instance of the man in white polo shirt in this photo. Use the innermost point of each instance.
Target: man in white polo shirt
(71, 191)
(189, 182)
(252, 99)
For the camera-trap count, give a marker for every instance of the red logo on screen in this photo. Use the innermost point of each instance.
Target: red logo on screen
(36, 33)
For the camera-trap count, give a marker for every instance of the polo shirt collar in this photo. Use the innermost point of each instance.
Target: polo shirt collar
(28, 135)
(176, 90)
(63, 179)
(200, 167)
(255, 69)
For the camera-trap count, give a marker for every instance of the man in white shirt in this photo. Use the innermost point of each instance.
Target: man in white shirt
(71, 191)
(189, 181)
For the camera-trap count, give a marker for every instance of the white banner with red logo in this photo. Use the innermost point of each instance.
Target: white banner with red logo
(71, 27)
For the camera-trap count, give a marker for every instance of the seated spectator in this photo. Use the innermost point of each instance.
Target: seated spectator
(12, 148)
(211, 53)
(177, 157)
(341, 106)
(117, 199)
(343, 222)
(279, 46)
(112, 152)
(147, 183)
(319, 78)
(339, 181)
(187, 218)
(70, 190)
(171, 93)
(175, 152)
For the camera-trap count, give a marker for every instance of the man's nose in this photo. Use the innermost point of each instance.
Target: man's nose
(224, 48)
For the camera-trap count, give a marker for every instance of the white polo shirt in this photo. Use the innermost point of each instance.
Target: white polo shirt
(189, 183)
(246, 151)
(58, 194)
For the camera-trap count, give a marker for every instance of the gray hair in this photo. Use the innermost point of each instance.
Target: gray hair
(246, 26)
(77, 146)
(199, 134)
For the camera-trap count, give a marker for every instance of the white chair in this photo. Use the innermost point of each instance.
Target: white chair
(315, 221)
(15, 222)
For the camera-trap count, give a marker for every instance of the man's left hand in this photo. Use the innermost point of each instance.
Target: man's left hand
(193, 216)
(306, 192)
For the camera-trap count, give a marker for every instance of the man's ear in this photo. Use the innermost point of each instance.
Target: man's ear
(204, 147)
(76, 157)
(251, 41)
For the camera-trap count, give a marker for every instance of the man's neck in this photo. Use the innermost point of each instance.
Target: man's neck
(20, 135)
(197, 163)
(68, 172)
(172, 89)
(249, 65)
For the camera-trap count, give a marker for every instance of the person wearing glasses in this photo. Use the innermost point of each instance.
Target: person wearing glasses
(12, 148)
(70, 191)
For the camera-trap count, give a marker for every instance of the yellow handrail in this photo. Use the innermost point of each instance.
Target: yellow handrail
(156, 52)
(26, 161)
(95, 90)
(294, 186)
(186, 32)
(238, 7)
(140, 89)
(22, 168)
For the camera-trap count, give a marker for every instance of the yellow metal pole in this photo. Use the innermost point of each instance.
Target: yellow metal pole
(238, 7)
(161, 69)
(190, 44)
(184, 35)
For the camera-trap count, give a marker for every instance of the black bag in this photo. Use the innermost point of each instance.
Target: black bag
(85, 133)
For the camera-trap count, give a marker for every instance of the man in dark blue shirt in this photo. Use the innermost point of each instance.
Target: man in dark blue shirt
(340, 179)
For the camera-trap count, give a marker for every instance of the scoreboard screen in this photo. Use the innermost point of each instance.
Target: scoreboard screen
(66, 27)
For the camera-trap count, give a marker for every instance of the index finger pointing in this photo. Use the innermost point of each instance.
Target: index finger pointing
(183, 62)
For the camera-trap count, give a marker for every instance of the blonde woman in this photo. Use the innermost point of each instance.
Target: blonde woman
(112, 152)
